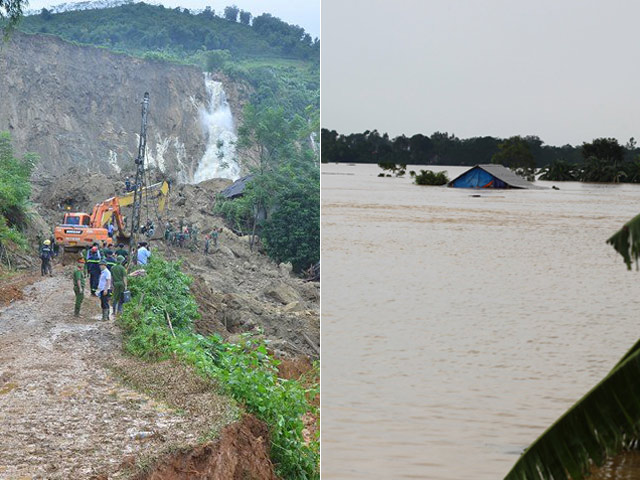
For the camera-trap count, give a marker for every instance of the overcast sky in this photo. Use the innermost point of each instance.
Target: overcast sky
(305, 13)
(565, 70)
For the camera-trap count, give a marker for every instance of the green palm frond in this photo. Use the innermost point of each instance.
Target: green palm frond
(603, 423)
(626, 241)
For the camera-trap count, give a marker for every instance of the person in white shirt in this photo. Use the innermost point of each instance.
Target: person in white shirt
(143, 254)
(104, 288)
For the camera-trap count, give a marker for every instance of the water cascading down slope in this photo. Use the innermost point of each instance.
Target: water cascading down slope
(219, 159)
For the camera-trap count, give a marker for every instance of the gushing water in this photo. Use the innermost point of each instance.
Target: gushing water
(219, 159)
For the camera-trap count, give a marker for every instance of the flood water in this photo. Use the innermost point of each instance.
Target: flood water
(456, 329)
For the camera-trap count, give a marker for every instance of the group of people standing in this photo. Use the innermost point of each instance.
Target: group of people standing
(107, 275)
(187, 236)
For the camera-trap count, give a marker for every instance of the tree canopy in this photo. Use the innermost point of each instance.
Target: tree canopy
(11, 10)
(138, 28)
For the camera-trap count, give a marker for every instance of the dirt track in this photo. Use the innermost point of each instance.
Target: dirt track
(63, 413)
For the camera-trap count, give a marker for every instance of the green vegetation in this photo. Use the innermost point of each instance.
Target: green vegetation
(247, 371)
(603, 423)
(428, 177)
(280, 61)
(602, 160)
(441, 148)
(285, 185)
(560, 171)
(15, 189)
(10, 12)
(137, 28)
(397, 170)
(515, 153)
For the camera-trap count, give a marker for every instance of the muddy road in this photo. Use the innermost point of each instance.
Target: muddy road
(65, 412)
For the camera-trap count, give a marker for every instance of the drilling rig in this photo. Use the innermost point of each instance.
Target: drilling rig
(137, 199)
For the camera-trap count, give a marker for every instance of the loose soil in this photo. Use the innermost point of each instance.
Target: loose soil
(73, 405)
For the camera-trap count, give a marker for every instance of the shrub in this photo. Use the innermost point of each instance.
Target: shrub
(427, 177)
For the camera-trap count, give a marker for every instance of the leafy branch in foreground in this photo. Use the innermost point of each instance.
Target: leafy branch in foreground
(605, 422)
(246, 371)
(626, 241)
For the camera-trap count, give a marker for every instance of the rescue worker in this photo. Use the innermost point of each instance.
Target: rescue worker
(104, 289)
(45, 255)
(119, 277)
(78, 286)
(110, 229)
(207, 240)
(110, 259)
(214, 236)
(122, 251)
(93, 268)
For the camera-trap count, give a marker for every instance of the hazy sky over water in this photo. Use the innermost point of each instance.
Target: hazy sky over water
(565, 70)
(305, 13)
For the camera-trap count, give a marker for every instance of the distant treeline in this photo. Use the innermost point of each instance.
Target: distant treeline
(602, 160)
(139, 27)
(440, 149)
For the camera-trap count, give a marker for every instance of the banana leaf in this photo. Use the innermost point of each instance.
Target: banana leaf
(603, 423)
(626, 241)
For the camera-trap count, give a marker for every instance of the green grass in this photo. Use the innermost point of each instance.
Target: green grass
(246, 371)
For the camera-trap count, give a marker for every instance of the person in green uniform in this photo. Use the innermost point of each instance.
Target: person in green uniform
(122, 251)
(78, 285)
(119, 276)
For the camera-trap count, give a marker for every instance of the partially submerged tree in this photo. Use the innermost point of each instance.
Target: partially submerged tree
(560, 171)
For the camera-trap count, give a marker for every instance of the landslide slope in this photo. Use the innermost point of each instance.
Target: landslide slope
(80, 106)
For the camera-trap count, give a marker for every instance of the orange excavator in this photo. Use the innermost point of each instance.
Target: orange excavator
(79, 230)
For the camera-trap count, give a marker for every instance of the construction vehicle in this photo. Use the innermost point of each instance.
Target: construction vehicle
(79, 230)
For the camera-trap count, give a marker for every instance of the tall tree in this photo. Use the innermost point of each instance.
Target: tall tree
(245, 17)
(515, 153)
(231, 13)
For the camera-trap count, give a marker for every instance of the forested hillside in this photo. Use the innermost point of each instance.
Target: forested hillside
(281, 61)
(139, 28)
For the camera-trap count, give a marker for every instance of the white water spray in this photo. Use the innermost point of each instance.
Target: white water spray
(219, 159)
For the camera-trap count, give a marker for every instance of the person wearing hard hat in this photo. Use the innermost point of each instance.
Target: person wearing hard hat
(104, 288)
(45, 255)
(78, 286)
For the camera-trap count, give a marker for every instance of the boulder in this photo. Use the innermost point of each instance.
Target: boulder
(285, 269)
(282, 293)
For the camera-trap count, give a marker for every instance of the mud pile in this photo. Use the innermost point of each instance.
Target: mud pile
(242, 451)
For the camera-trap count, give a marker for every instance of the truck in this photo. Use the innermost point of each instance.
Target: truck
(79, 230)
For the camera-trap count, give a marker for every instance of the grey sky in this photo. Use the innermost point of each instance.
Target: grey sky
(305, 13)
(565, 70)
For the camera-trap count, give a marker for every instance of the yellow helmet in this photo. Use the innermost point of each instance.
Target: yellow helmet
(47, 242)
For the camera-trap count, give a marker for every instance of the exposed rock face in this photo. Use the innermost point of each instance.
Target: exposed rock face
(80, 106)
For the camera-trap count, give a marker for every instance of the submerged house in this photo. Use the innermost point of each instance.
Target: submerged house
(490, 176)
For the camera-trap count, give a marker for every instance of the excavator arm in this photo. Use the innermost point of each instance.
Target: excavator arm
(104, 212)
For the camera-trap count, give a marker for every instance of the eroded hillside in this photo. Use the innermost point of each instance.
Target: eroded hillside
(80, 106)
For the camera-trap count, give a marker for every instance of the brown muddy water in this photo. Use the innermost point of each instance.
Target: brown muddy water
(455, 328)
